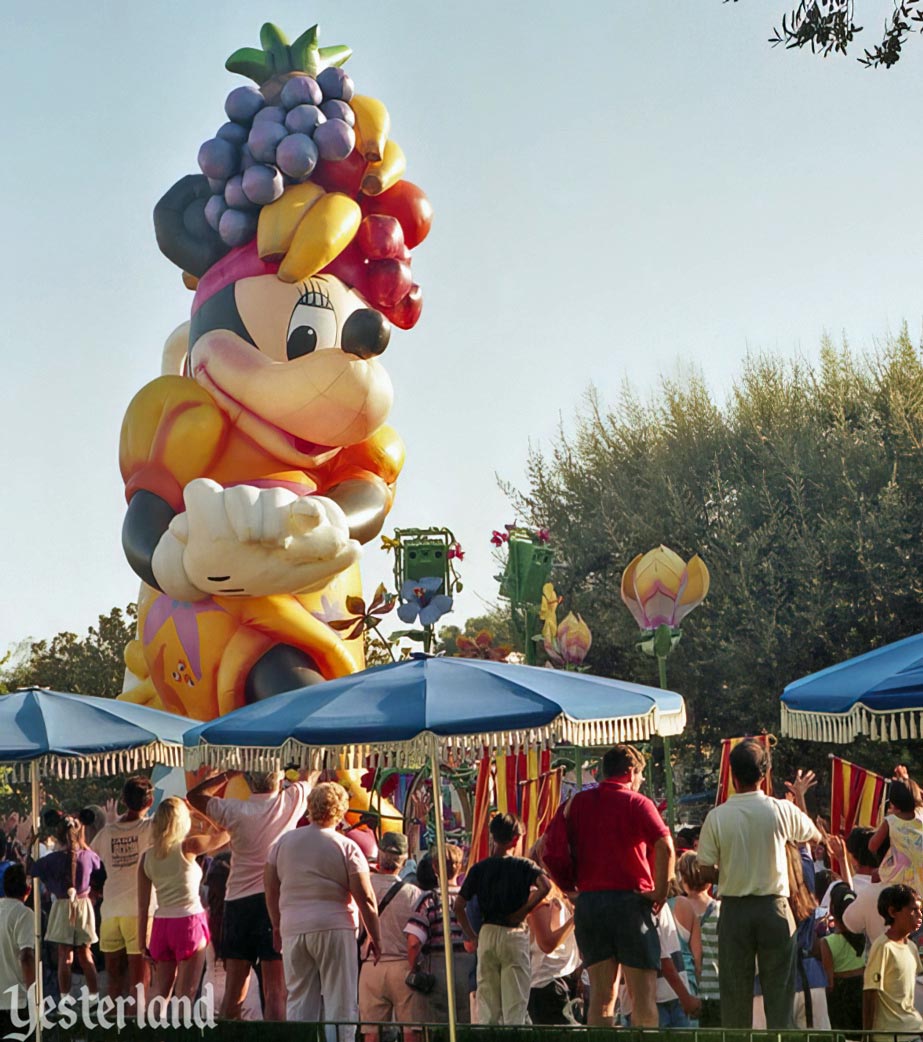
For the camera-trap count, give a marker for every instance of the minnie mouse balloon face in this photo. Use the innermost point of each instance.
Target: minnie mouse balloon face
(297, 364)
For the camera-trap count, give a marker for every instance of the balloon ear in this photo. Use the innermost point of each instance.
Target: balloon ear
(183, 234)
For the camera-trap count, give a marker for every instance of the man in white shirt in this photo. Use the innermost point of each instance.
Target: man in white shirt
(120, 846)
(17, 947)
(254, 825)
(862, 916)
(745, 838)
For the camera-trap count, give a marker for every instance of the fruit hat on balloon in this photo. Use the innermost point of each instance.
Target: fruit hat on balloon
(260, 461)
(302, 128)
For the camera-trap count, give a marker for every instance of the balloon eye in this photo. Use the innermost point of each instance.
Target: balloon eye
(312, 327)
(301, 341)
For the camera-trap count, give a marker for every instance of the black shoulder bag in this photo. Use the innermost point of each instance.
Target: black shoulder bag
(385, 901)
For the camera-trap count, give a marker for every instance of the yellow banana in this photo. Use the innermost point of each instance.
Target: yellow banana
(379, 177)
(372, 126)
(322, 234)
(278, 220)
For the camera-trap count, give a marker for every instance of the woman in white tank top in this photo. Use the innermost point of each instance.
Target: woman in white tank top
(555, 957)
(180, 930)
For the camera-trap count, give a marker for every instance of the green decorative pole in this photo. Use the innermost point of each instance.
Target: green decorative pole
(663, 645)
(528, 567)
(529, 627)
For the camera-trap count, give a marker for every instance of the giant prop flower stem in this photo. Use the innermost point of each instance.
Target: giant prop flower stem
(660, 590)
(663, 644)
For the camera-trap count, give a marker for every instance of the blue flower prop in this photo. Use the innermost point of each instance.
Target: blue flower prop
(422, 597)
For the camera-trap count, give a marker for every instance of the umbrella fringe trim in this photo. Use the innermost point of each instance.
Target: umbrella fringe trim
(889, 725)
(92, 765)
(453, 748)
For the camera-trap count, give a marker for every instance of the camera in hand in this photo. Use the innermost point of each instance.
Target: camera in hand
(421, 981)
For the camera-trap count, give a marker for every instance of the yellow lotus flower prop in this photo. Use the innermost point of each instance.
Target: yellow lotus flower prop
(566, 643)
(548, 612)
(660, 589)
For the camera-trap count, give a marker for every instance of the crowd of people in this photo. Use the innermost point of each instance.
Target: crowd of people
(759, 918)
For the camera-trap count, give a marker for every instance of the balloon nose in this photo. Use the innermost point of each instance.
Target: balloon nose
(366, 333)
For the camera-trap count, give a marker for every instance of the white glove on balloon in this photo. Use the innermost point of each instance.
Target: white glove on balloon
(251, 542)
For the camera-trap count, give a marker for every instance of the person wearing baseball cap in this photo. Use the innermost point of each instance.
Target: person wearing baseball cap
(384, 994)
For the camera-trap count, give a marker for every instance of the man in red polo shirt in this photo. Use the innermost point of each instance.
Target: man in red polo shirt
(616, 835)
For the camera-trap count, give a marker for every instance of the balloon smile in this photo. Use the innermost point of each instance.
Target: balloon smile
(249, 419)
(309, 448)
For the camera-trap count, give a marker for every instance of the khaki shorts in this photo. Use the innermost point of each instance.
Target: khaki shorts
(383, 995)
(76, 934)
(119, 933)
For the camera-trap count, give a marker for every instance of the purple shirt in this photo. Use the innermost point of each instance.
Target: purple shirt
(54, 870)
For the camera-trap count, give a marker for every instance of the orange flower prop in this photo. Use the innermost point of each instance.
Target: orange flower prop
(659, 589)
(482, 645)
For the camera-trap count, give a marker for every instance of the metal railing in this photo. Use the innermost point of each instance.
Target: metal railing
(263, 1031)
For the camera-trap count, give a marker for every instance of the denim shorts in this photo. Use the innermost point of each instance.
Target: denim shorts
(617, 924)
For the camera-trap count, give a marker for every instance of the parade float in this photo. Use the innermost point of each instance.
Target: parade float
(260, 460)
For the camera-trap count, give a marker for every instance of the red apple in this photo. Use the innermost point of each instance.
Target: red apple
(406, 312)
(387, 282)
(380, 236)
(408, 204)
(344, 175)
(350, 267)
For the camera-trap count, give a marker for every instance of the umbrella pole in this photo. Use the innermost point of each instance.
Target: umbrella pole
(443, 887)
(37, 906)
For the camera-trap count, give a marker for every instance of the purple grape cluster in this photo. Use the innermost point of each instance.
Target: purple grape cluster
(264, 148)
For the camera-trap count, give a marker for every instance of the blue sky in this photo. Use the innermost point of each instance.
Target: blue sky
(621, 190)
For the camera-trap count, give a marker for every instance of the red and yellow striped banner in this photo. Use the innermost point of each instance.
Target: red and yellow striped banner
(856, 797)
(725, 779)
(481, 815)
(520, 783)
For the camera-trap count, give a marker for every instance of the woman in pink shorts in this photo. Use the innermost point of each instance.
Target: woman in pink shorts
(180, 930)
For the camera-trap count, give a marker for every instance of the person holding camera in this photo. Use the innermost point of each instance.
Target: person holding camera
(426, 943)
(385, 988)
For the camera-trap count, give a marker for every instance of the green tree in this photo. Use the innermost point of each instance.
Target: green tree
(803, 495)
(828, 27)
(90, 665)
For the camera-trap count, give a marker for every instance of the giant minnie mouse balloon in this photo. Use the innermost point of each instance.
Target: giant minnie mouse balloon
(260, 462)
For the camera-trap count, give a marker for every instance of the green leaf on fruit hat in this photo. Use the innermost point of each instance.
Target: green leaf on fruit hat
(277, 56)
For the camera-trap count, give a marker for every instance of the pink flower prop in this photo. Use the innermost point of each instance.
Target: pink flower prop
(571, 642)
